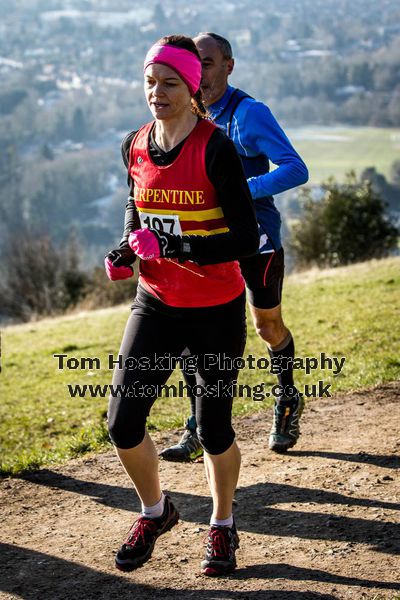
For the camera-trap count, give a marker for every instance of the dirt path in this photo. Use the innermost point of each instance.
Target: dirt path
(322, 522)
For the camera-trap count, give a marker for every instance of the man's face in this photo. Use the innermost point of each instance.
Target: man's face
(215, 69)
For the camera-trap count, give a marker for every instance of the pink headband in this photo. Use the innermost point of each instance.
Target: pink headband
(184, 62)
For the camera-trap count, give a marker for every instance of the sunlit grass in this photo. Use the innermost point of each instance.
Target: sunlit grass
(333, 151)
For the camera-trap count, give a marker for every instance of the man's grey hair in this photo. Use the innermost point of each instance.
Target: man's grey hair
(222, 42)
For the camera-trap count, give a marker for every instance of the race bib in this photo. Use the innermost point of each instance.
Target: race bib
(167, 223)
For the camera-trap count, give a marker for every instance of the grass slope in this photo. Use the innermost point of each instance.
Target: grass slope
(336, 150)
(348, 312)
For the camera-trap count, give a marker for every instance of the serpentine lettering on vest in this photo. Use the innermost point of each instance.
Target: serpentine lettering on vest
(182, 197)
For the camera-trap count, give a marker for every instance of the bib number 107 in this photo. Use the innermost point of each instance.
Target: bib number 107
(167, 223)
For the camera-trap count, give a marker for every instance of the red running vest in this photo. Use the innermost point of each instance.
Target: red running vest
(180, 198)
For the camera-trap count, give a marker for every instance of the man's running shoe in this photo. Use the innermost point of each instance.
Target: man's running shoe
(139, 544)
(188, 448)
(286, 428)
(220, 557)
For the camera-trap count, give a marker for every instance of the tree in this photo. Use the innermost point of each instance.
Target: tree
(78, 130)
(348, 224)
(395, 173)
(40, 279)
(47, 152)
(389, 192)
(159, 17)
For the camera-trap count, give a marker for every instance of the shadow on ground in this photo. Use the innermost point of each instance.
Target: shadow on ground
(261, 515)
(31, 575)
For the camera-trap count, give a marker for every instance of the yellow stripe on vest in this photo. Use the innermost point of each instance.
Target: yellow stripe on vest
(187, 215)
(205, 232)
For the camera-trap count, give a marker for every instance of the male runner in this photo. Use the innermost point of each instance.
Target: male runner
(258, 139)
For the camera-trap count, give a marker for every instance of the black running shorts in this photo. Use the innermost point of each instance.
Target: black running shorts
(216, 335)
(263, 274)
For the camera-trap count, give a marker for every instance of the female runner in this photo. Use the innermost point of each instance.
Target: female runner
(188, 219)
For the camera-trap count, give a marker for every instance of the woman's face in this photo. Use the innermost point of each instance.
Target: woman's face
(166, 93)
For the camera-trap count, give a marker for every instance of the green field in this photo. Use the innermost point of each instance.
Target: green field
(350, 312)
(336, 150)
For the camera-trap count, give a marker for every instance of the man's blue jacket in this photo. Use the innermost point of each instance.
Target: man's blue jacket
(259, 139)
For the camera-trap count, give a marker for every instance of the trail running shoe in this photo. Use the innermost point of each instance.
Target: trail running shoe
(139, 544)
(188, 448)
(285, 428)
(222, 544)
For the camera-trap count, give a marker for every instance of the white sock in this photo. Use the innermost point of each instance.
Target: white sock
(155, 511)
(222, 522)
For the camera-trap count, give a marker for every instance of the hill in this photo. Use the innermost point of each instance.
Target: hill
(346, 313)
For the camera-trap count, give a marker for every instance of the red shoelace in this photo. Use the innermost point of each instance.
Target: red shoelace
(218, 543)
(139, 530)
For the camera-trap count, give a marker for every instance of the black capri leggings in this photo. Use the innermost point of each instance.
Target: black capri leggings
(156, 332)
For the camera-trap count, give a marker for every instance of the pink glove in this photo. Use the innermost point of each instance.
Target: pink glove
(144, 244)
(116, 273)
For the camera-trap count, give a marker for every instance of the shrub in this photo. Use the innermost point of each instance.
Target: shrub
(39, 279)
(348, 224)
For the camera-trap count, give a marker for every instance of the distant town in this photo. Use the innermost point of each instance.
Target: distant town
(71, 88)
